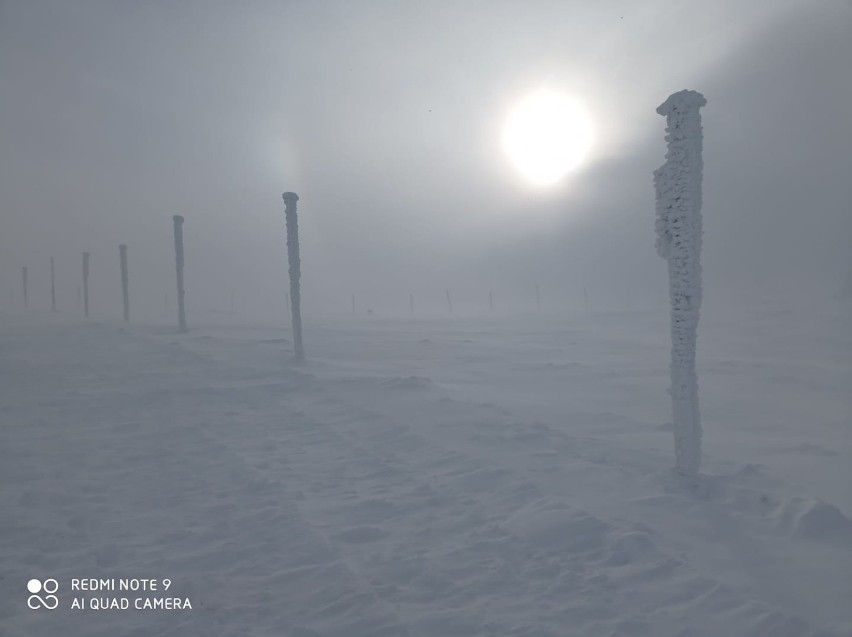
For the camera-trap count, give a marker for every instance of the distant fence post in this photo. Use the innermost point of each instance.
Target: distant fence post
(295, 269)
(178, 227)
(24, 275)
(86, 284)
(122, 257)
(52, 287)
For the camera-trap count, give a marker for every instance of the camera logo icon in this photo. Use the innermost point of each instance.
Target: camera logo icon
(48, 600)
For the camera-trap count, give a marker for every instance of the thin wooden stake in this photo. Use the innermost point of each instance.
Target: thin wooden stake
(52, 287)
(125, 291)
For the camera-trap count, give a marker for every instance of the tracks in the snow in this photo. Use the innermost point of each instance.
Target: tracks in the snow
(473, 523)
(464, 543)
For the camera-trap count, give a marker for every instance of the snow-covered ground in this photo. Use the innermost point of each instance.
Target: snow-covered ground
(435, 478)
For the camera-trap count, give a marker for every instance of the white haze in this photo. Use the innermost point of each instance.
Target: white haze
(384, 117)
(485, 474)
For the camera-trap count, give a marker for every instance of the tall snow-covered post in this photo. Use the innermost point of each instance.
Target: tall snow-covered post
(178, 225)
(122, 257)
(86, 284)
(290, 199)
(679, 228)
(24, 276)
(52, 287)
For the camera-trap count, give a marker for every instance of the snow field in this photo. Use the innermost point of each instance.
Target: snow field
(427, 479)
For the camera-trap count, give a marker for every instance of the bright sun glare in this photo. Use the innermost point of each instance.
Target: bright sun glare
(546, 136)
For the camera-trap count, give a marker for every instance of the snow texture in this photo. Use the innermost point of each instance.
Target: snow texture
(678, 189)
(290, 199)
(511, 485)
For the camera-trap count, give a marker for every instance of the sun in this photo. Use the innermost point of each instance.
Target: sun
(546, 136)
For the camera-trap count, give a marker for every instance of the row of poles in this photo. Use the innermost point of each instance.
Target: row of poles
(182, 317)
(450, 300)
(84, 291)
(294, 301)
(679, 229)
(125, 279)
(293, 298)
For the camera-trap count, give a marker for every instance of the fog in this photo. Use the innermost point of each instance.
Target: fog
(385, 118)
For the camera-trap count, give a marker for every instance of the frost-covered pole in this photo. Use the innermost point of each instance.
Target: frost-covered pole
(178, 224)
(678, 224)
(122, 257)
(537, 298)
(411, 303)
(290, 199)
(353, 304)
(52, 287)
(86, 284)
(491, 300)
(24, 275)
(449, 302)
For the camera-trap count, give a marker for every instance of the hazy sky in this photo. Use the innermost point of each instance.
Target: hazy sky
(385, 118)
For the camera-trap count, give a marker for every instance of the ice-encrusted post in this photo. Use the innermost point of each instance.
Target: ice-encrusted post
(491, 300)
(52, 287)
(679, 228)
(86, 284)
(290, 199)
(411, 303)
(24, 276)
(178, 225)
(122, 258)
(449, 302)
(537, 298)
(353, 304)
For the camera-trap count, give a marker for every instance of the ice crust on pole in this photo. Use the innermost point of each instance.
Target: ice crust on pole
(679, 228)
